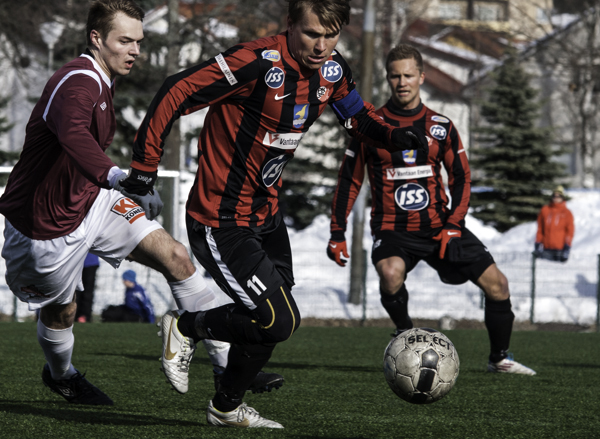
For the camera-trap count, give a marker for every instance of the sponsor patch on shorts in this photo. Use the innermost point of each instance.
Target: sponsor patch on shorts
(128, 209)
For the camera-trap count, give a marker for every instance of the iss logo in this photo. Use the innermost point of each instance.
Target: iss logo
(128, 209)
(300, 115)
(273, 169)
(438, 132)
(271, 55)
(411, 197)
(274, 77)
(331, 71)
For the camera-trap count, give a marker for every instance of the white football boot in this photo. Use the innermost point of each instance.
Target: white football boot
(508, 365)
(178, 351)
(241, 417)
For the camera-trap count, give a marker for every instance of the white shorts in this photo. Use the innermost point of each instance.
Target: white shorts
(41, 272)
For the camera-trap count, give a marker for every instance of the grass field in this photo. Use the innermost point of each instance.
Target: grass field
(334, 389)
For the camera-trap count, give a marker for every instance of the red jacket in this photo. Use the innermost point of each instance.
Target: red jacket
(555, 226)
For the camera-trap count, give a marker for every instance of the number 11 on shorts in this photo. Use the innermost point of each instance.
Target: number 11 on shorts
(256, 285)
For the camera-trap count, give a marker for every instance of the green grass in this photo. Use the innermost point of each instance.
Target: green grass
(334, 389)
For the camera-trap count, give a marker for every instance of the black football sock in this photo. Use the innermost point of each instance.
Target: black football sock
(396, 306)
(243, 364)
(498, 321)
(186, 324)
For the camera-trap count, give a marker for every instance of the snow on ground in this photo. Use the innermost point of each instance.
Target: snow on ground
(564, 292)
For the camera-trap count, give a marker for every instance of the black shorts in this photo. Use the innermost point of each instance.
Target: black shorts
(249, 264)
(413, 247)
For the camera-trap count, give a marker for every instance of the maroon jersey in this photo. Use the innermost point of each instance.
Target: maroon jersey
(406, 186)
(63, 165)
(261, 104)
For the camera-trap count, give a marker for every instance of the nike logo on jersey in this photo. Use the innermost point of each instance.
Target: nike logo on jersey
(278, 98)
(452, 233)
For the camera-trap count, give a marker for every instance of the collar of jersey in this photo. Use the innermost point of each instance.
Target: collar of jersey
(393, 108)
(97, 67)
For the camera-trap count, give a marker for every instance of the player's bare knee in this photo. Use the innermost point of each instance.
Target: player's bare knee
(58, 316)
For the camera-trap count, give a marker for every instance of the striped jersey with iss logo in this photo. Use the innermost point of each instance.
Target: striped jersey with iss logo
(407, 189)
(262, 102)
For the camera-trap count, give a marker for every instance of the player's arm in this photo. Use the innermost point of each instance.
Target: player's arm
(459, 183)
(459, 177)
(233, 72)
(361, 122)
(69, 117)
(350, 179)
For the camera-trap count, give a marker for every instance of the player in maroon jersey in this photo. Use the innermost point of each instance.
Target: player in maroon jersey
(59, 203)
(263, 96)
(410, 217)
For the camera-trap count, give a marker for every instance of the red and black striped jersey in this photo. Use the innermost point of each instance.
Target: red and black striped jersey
(407, 189)
(262, 102)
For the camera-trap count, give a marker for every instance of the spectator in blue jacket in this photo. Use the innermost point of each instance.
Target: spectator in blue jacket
(137, 306)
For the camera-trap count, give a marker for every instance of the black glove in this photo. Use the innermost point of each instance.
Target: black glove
(564, 255)
(137, 182)
(538, 249)
(409, 138)
(150, 201)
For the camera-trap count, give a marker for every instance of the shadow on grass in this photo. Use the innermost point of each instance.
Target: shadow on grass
(89, 415)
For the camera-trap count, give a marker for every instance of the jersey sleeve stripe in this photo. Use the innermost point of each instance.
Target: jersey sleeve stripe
(89, 73)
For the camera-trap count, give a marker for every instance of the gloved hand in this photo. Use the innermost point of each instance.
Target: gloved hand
(338, 252)
(409, 138)
(449, 242)
(565, 253)
(538, 249)
(137, 182)
(150, 201)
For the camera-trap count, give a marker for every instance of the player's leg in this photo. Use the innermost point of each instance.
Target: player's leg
(390, 262)
(478, 266)
(394, 295)
(45, 274)
(499, 321)
(122, 235)
(254, 268)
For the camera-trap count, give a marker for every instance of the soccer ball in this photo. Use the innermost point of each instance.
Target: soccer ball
(421, 365)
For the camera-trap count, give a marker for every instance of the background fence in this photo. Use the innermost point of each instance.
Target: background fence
(560, 292)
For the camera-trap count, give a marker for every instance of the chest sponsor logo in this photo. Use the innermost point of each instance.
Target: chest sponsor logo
(128, 209)
(300, 115)
(283, 140)
(271, 55)
(273, 169)
(409, 156)
(440, 119)
(411, 197)
(274, 77)
(331, 71)
(409, 173)
(438, 132)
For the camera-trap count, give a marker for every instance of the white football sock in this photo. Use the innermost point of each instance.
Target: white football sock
(57, 345)
(193, 294)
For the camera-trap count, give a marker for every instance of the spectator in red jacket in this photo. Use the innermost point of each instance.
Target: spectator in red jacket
(555, 229)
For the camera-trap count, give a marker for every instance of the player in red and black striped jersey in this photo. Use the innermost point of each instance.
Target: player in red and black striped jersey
(263, 96)
(410, 215)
